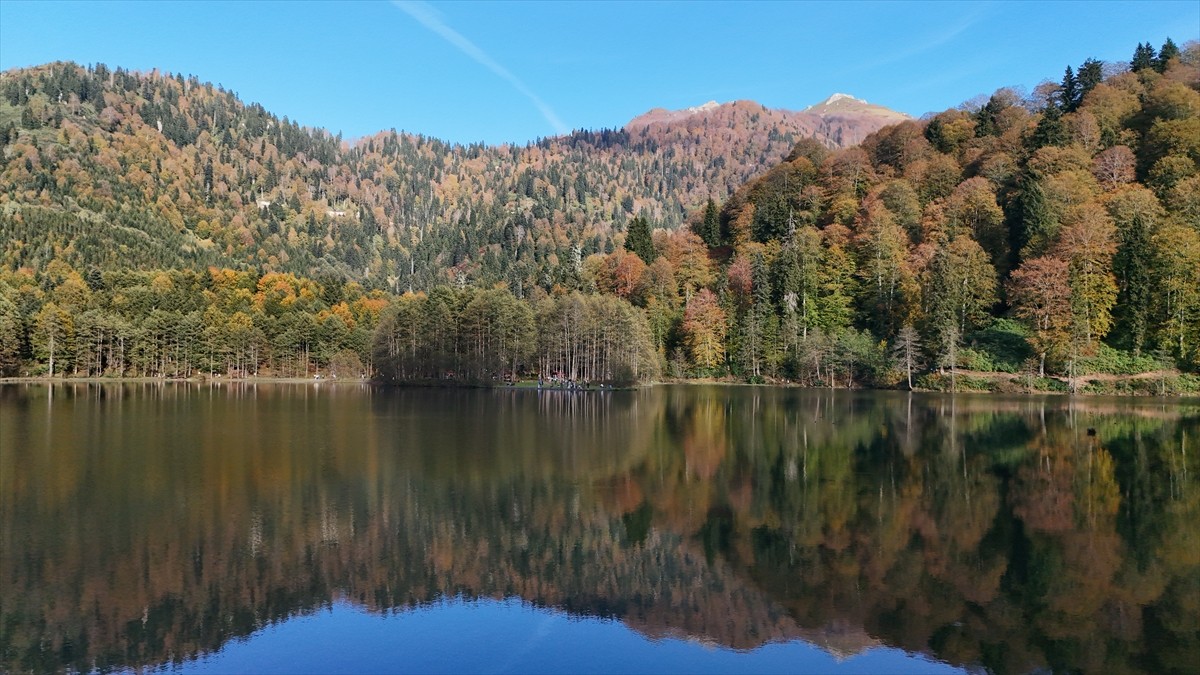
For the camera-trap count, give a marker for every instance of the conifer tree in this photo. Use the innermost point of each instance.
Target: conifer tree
(1143, 57)
(1091, 73)
(1169, 51)
(710, 226)
(637, 239)
(1050, 129)
(1068, 96)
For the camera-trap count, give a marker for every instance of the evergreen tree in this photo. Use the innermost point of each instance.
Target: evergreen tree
(710, 226)
(1136, 213)
(1143, 57)
(28, 119)
(1068, 96)
(1091, 73)
(761, 326)
(1169, 51)
(1050, 129)
(1038, 224)
(985, 118)
(638, 240)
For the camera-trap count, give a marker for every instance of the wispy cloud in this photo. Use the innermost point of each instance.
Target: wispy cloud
(431, 19)
(942, 37)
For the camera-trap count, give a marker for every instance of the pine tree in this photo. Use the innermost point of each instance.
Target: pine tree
(1068, 96)
(985, 118)
(1136, 213)
(710, 226)
(638, 240)
(1038, 224)
(1091, 73)
(1143, 57)
(1050, 129)
(1169, 51)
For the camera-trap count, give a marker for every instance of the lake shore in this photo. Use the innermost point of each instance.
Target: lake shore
(183, 380)
(1159, 383)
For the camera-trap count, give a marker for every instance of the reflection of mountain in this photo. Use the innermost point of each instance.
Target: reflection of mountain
(998, 534)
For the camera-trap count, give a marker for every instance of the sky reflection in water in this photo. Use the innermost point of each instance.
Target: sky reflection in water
(491, 636)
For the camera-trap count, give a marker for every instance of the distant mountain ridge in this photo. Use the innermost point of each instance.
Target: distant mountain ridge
(839, 121)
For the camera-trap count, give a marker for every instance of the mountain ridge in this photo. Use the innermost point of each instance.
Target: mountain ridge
(850, 112)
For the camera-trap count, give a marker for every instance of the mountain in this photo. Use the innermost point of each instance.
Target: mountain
(1054, 234)
(837, 122)
(110, 168)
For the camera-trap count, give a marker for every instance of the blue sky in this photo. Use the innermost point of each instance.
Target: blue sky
(499, 72)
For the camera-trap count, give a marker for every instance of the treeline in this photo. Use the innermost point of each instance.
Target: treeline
(489, 336)
(179, 323)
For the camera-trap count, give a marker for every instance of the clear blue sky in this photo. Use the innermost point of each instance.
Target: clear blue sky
(499, 72)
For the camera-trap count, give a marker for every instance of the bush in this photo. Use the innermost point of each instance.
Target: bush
(1184, 384)
(1117, 362)
(1002, 346)
(971, 359)
(1049, 384)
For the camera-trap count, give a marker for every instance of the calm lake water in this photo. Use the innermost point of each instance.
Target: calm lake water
(284, 528)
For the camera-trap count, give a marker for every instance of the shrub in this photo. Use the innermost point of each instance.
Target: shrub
(1003, 344)
(1117, 362)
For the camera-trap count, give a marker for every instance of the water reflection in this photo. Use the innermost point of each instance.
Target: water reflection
(143, 524)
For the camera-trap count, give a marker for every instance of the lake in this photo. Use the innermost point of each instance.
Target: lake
(347, 528)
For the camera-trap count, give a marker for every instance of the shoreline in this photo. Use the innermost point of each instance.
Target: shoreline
(182, 380)
(1005, 384)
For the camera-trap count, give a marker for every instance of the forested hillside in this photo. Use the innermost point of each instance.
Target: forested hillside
(114, 169)
(1040, 234)
(988, 246)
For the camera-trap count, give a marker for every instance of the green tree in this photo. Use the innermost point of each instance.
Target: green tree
(1039, 226)
(759, 338)
(10, 334)
(1136, 214)
(960, 290)
(1091, 73)
(1177, 290)
(1050, 129)
(1169, 51)
(1143, 57)
(1069, 94)
(883, 267)
(710, 224)
(638, 239)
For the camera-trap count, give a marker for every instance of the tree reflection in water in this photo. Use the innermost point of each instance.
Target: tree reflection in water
(143, 524)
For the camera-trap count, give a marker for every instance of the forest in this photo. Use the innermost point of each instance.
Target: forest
(153, 225)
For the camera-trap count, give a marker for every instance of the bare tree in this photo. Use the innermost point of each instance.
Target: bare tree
(907, 350)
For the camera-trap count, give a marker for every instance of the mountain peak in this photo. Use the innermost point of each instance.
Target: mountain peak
(845, 105)
(841, 97)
